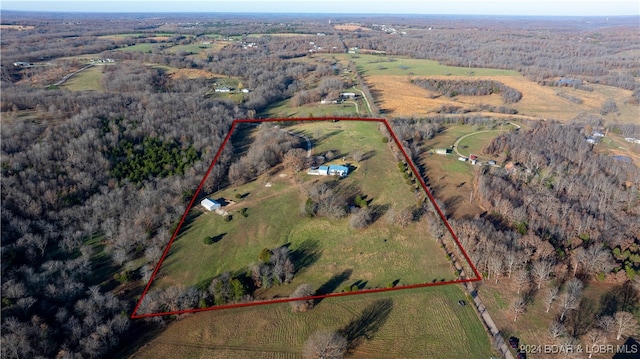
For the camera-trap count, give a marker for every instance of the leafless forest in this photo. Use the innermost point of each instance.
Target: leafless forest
(93, 181)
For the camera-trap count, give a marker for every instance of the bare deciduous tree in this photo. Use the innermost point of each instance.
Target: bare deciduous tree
(360, 218)
(595, 337)
(557, 329)
(550, 296)
(325, 345)
(518, 307)
(625, 324)
(566, 303)
(520, 279)
(541, 270)
(303, 290)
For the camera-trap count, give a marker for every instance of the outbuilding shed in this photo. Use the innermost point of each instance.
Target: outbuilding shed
(210, 205)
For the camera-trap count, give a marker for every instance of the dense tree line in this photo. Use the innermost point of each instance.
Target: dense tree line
(453, 88)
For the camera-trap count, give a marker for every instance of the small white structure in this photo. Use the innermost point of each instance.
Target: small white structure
(210, 205)
(223, 89)
(245, 90)
(443, 151)
(332, 170)
(463, 159)
(348, 95)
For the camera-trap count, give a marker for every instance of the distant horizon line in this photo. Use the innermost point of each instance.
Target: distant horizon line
(307, 13)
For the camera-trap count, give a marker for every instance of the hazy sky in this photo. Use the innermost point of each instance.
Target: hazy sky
(478, 7)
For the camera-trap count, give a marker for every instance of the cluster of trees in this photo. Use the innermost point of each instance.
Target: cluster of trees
(329, 87)
(150, 159)
(267, 150)
(452, 88)
(324, 199)
(275, 268)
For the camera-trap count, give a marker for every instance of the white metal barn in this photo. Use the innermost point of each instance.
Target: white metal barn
(210, 205)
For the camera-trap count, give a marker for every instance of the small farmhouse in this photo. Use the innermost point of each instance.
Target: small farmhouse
(443, 151)
(210, 205)
(223, 89)
(348, 95)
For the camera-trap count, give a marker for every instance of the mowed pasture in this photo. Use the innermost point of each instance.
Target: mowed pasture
(418, 323)
(375, 256)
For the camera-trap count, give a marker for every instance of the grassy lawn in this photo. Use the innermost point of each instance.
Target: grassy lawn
(474, 144)
(89, 79)
(376, 255)
(421, 323)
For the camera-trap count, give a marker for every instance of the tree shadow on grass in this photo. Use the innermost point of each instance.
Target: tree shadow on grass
(367, 155)
(305, 255)
(367, 324)
(332, 284)
(620, 298)
(377, 211)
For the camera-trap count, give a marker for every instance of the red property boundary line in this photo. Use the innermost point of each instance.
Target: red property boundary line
(478, 277)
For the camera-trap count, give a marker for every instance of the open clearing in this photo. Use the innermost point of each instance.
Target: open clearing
(421, 323)
(376, 256)
(87, 80)
(283, 109)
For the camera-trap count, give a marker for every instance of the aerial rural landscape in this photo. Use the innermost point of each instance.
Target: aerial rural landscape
(262, 185)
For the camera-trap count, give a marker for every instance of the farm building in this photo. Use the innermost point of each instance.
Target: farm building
(442, 151)
(332, 170)
(348, 95)
(223, 89)
(210, 205)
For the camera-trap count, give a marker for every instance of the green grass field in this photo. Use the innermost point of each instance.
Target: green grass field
(369, 65)
(190, 49)
(144, 47)
(377, 255)
(87, 80)
(283, 109)
(422, 323)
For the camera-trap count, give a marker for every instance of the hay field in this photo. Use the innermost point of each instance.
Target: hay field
(398, 97)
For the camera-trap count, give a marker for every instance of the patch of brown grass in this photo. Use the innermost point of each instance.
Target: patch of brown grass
(193, 74)
(350, 28)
